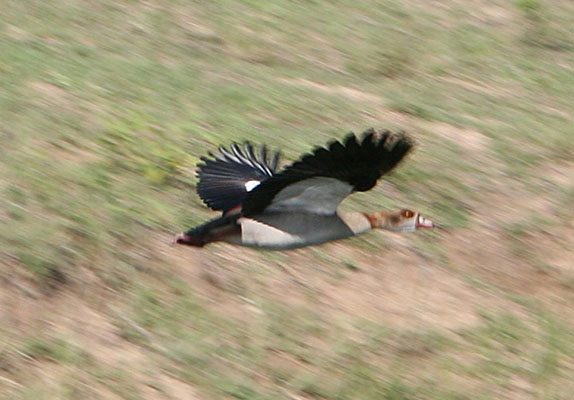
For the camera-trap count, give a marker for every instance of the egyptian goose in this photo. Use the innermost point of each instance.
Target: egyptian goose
(297, 207)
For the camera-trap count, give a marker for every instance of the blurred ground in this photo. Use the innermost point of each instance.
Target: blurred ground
(105, 110)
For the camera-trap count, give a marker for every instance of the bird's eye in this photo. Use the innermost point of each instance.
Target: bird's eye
(407, 213)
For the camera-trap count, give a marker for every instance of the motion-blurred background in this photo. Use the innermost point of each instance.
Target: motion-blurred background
(106, 106)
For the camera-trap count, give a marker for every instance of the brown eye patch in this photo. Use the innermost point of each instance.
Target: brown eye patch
(407, 213)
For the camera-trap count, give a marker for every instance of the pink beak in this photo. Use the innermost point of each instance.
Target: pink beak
(422, 222)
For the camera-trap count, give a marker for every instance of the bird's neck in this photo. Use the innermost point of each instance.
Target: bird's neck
(380, 219)
(356, 221)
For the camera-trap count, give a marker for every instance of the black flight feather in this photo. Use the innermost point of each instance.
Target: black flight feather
(222, 177)
(358, 163)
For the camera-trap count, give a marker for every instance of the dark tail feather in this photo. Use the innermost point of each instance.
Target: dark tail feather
(191, 240)
(211, 231)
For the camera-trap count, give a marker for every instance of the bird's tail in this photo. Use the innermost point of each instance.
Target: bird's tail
(191, 240)
(211, 231)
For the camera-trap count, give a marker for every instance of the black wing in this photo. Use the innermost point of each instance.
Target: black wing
(225, 179)
(319, 181)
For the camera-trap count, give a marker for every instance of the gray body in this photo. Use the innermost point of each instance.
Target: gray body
(291, 230)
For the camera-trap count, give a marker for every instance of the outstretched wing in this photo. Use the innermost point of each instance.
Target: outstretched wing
(225, 179)
(319, 181)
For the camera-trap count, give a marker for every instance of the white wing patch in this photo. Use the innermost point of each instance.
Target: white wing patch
(319, 195)
(250, 185)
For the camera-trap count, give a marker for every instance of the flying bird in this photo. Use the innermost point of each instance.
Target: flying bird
(298, 206)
